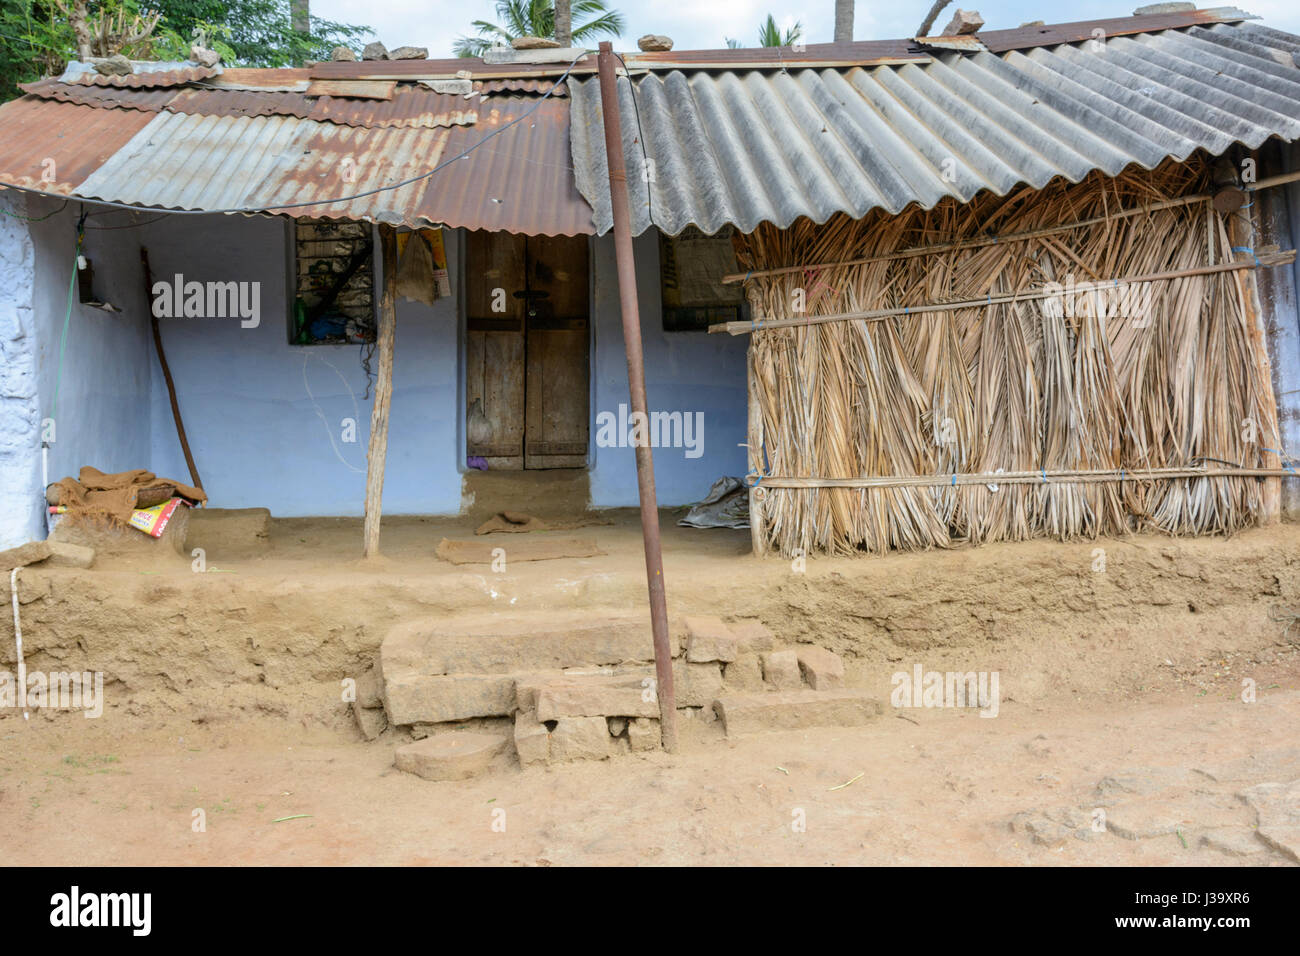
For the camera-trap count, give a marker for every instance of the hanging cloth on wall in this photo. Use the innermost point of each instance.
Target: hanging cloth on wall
(415, 280)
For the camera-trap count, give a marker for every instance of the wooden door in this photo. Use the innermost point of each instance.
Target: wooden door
(527, 361)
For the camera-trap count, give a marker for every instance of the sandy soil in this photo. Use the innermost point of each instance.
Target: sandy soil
(1121, 689)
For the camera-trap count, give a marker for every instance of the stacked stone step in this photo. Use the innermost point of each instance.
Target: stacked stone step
(583, 687)
(768, 687)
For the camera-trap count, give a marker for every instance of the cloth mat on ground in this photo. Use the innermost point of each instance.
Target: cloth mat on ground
(113, 497)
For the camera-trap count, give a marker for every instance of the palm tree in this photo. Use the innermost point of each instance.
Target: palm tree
(844, 21)
(536, 18)
(769, 34)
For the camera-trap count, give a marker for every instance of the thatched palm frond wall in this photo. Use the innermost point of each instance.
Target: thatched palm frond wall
(1156, 375)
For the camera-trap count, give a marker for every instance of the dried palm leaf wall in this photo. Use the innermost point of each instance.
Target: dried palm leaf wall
(1169, 382)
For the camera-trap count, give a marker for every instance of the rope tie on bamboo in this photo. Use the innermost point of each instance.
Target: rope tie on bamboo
(1248, 251)
(1285, 459)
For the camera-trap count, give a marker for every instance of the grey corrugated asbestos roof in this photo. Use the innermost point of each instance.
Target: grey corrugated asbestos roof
(745, 148)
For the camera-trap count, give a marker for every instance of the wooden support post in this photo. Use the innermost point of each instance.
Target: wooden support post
(378, 451)
(1242, 234)
(757, 494)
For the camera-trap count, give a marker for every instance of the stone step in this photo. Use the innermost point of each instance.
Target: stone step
(454, 756)
(795, 710)
(505, 643)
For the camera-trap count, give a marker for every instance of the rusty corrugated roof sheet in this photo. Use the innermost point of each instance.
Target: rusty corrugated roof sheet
(178, 77)
(520, 181)
(410, 107)
(539, 86)
(54, 146)
(102, 97)
(181, 161)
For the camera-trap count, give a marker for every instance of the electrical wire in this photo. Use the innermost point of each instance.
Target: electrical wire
(248, 210)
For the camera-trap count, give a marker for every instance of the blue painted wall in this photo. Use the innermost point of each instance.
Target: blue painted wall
(266, 419)
(104, 378)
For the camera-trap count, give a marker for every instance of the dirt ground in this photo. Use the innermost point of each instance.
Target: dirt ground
(1121, 666)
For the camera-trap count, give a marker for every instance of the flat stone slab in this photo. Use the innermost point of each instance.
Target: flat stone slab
(219, 529)
(1233, 841)
(33, 552)
(620, 696)
(65, 555)
(821, 669)
(455, 756)
(495, 644)
(581, 738)
(1284, 839)
(708, 639)
(795, 710)
(1276, 804)
(419, 699)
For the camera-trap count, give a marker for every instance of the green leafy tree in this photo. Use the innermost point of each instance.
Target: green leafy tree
(37, 39)
(256, 32)
(536, 18)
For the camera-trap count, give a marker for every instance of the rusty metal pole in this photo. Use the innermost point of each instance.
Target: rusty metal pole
(645, 472)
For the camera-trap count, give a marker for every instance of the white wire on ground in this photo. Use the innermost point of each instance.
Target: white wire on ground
(18, 643)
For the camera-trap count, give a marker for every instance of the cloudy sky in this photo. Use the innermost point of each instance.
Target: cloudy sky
(703, 24)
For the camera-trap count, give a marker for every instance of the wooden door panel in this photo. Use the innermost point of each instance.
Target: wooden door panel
(494, 420)
(557, 398)
(494, 349)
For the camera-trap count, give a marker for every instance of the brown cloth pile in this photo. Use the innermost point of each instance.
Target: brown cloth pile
(93, 494)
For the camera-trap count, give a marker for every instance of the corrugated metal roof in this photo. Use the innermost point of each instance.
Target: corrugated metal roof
(519, 85)
(145, 78)
(261, 162)
(746, 148)
(60, 140)
(102, 97)
(521, 181)
(409, 107)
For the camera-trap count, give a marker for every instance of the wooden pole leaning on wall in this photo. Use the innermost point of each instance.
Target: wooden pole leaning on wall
(378, 451)
(167, 372)
(645, 473)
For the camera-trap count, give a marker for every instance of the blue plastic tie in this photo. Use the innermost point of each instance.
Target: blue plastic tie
(1249, 251)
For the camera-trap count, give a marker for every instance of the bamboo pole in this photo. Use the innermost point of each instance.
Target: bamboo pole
(645, 470)
(1046, 476)
(966, 244)
(754, 440)
(378, 451)
(872, 315)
